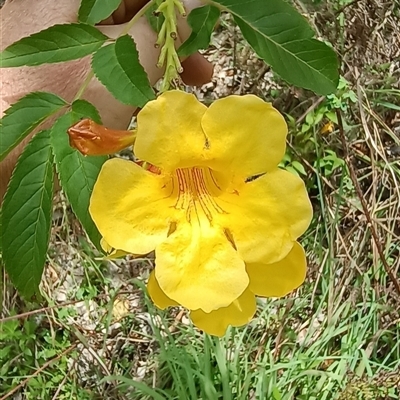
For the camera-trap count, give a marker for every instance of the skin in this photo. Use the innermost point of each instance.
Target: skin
(20, 18)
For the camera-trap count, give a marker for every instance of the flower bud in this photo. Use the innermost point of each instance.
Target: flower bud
(93, 139)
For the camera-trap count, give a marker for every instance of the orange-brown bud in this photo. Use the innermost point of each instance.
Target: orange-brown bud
(95, 140)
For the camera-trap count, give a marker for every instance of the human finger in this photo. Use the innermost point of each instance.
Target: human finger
(65, 79)
(197, 70)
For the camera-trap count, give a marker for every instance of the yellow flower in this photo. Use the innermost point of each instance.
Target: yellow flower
(266, 280)
(111, 253)
(222, 218)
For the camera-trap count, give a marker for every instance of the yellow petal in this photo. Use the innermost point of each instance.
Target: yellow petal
(238, 313)
(159, 298)
(131, 207)
(198, 267)
(246, 135)
(169, 133)
(105, 246)
(110, 251)
(266, 216)
(280, 278)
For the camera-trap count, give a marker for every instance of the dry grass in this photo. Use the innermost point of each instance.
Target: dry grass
(338, 337)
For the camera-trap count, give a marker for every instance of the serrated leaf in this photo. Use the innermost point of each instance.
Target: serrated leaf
(26, 215)
(77, 173)
(202, 21)
(84, 109)
(24, 116)
(284, 39)
(94, 11)
(118, 68)
(55, 44)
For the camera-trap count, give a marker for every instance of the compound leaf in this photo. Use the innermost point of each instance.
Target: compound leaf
(284, 39)
(24, 116)
(202, 21)
(94, 11)
(55, 44)
(26, 215)
(118, 68)
(77, 173)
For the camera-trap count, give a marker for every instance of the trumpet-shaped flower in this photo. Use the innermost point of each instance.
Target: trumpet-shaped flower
(222, 218)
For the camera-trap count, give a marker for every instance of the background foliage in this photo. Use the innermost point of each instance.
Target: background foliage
(279, 34)
(95, 335)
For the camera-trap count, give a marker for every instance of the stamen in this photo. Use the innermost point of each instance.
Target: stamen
(194, 193)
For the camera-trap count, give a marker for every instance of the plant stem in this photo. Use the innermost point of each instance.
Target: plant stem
(353, 177)
(84, 85)
(136, 17)
(166, 39)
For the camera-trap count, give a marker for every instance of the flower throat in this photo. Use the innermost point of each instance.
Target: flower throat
(196, 192)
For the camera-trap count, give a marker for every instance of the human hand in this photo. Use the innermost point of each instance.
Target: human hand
(24, 17)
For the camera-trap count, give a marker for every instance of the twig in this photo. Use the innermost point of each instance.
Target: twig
(353, 177)
(315, 172)
(265, 68)
(313, 106)
(278, 340)
(351, 4)
(44, 309)
(37, 372)
(38, 311)
(124, 31)
(136, 17)
(60, 386)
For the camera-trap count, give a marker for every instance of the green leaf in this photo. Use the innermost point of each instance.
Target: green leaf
(299, 168)
(24, 116)
(55, 44)
(284, 39)
(77, 173)
(276, 393)
(202, 21)
(84, 109)
(155, 20)
(94, 11)
(118, 68)
(26, 215)
(388, 105)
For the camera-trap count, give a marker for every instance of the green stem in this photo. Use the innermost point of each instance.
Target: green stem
(136, 17)
(166, 39)
(123, 32)
(84, 85)
(220, 356)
